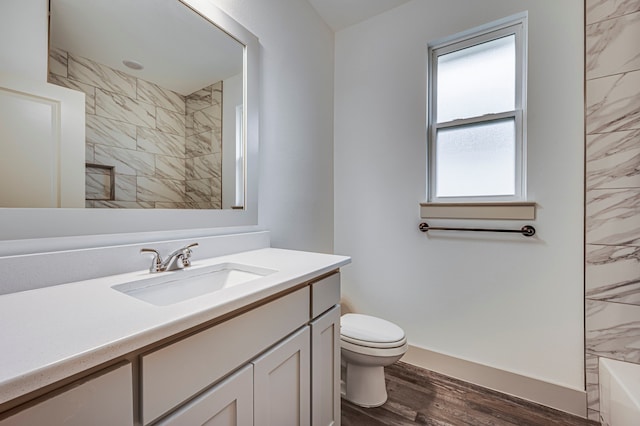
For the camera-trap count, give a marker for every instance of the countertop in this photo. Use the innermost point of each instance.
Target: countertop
(52, 333)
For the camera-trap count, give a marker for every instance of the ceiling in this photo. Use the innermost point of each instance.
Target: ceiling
(179, 49)
(339, 14)
(183, 58)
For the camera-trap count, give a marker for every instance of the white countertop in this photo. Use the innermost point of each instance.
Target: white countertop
(51, 333)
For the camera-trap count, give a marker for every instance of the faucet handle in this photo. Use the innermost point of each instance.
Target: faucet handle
(156, 262)
(186, 254)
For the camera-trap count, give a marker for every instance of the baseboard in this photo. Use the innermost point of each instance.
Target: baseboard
(549, 394)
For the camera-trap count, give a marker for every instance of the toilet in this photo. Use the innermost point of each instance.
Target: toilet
(367, 345)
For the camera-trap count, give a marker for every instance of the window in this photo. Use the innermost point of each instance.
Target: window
(476, 115)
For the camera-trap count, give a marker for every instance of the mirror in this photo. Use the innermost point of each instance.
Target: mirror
(61, 124)
(163, 101)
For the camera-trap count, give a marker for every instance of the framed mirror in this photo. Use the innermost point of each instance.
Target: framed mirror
(173, 143)
(163, 91)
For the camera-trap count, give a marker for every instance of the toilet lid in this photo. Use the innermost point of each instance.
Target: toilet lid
(370, 329)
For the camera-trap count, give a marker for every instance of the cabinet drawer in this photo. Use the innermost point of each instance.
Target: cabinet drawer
(103, 400)
(324, 294)
(175, 373)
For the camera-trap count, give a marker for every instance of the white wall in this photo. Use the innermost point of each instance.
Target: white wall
(498, 300)
(296, 119)
(24, 38)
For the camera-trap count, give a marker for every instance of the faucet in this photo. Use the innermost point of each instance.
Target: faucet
(179, 259)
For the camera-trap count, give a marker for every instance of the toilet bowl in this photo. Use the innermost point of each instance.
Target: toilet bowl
(368, 344)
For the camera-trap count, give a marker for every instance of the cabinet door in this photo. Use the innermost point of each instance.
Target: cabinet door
(282, 383)
(325, 369)
(104, 400)
(229, 403)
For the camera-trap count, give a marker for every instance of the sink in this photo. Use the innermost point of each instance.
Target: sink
(167, 288)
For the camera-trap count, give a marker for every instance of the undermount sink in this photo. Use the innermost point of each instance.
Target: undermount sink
(171, 287)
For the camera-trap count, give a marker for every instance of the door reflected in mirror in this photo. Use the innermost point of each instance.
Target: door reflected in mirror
(164, 100)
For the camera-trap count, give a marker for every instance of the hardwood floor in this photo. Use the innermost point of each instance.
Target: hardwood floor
(421, 397)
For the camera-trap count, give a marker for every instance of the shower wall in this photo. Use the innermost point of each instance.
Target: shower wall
(612, 271)
(164, 148)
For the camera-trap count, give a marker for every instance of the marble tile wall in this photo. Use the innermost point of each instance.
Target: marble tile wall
(158, 141)
(612, 271)
(204, 147)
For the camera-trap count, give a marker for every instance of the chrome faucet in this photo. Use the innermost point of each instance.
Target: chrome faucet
(179, 259)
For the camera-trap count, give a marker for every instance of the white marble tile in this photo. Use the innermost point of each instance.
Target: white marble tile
(170, 205)
(613, 330)
(613, 46)
(203, 167)
(188, 125)
(88, 90)
(87, 71)
(170, 122)
(125, 188)
(200, 144)
(592, 380)
(104, 131)
(613, 103)
(160, 190)
(198, 100)
(170, 167)
(613, 160)
(598, 10)
(123, 205)
(613, 216)
(89, 153)
(157, 142)
(160, 97)
(199, 191)
(613, 273)
(126, 161)
(187, 205)
(123, 108)
(97, 185)
(209, 118)
(216, 189)
(58, 62)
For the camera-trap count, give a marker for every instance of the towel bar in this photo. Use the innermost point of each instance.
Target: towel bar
(527, 230)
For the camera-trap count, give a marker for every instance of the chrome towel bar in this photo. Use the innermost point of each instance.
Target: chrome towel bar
(527, 230)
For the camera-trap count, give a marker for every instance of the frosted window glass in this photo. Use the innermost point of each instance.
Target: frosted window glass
(476, 160)
(478, 80)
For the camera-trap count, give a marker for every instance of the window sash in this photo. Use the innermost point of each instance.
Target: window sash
(519, 157)
(513, 27)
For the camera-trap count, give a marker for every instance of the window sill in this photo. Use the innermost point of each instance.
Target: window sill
(491, 211)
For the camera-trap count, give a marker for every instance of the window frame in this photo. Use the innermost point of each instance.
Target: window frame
(517, 26)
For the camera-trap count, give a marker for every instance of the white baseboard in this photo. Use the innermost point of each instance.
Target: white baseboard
(549, 394)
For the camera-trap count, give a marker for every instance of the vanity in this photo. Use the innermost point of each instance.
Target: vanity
(246, 335)
(262, 349)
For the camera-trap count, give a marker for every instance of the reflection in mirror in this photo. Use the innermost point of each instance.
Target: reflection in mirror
(164, 92)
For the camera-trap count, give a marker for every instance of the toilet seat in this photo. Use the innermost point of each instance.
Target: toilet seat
(370, 332)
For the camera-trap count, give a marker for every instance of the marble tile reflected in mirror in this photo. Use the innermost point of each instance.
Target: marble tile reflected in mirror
(168, 129)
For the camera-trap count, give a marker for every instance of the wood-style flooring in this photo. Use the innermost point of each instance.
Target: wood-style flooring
(422, 397)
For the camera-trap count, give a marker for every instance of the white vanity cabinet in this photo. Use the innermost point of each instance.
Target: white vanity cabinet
(271, 363)
(104, 399)
(294, 382)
